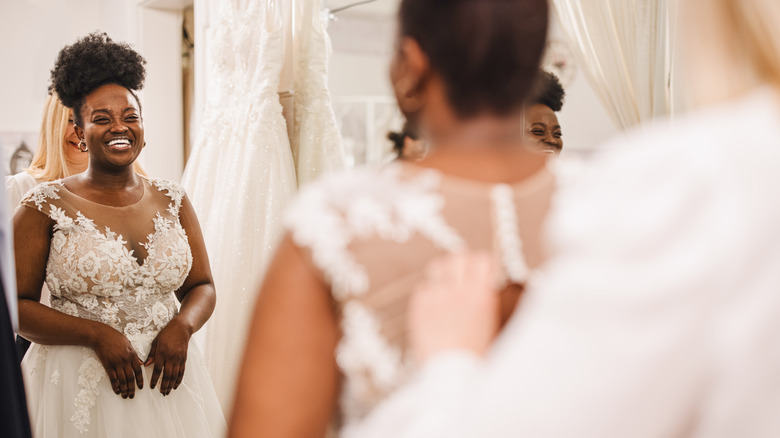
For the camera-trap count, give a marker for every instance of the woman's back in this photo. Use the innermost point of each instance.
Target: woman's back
(371, 236)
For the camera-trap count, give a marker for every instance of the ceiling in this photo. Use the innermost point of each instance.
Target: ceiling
(376, 7)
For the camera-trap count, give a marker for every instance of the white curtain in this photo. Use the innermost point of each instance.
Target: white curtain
(626, 50)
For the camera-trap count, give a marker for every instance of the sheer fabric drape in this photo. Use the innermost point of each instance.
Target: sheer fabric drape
(626, 50)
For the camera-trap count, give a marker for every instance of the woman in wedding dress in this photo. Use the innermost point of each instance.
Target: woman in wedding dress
(115, 250)
(357, 243)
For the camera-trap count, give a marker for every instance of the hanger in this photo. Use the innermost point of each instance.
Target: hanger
(351, 5)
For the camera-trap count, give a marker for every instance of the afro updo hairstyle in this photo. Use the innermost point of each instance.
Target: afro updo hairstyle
(487, 52)
(91, 62)
(548, 91)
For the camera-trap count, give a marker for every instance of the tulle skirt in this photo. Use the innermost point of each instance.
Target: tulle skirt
(69, 395)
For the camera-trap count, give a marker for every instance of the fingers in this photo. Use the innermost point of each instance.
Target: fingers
(167, 378)
(180, 376)
(158, 368)
(139, 375)
(123, 386)
(114, 379)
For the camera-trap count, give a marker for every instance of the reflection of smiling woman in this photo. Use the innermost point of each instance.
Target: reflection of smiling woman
(116, 250)
(541, 124)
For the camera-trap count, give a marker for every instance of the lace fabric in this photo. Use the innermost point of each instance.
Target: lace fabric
(120, 266)
(371, 234)
(92, 273)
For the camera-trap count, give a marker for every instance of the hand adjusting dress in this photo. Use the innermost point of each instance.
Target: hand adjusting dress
(120, 266)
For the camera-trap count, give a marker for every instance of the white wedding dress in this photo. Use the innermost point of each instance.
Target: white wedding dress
(316, 141)
(92, 274)
(240, 176)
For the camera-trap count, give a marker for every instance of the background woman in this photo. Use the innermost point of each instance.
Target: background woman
(328, 339)
(541, 123)
(56, 156)
(116, 250)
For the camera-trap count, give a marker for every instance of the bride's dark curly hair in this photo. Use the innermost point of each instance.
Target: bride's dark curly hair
(91, 62)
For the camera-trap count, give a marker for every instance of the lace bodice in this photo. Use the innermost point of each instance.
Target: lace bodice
(371, 234)
(116, 265)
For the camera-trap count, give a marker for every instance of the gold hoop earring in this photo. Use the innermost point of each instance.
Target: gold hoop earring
(83, 146)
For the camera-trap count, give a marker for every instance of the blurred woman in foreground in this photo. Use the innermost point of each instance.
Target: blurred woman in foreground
(658, 310)
(328, 341)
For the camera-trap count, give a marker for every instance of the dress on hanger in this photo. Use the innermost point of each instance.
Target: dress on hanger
(92, 274)
(316, 142)
(241, 175)
(372, 233)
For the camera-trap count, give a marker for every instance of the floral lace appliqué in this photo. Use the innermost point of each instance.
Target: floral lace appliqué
(90, 373)
(368, 204)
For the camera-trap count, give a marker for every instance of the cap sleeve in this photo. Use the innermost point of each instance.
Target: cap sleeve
(173, 191)
(41, 195)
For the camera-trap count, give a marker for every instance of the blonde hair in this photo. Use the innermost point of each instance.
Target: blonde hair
(49, 162)
(732, 47)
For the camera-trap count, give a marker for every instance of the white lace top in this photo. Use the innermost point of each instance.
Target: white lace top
(116, 265)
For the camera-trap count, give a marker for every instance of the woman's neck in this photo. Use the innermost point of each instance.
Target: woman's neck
(114, 181)
(487, 149)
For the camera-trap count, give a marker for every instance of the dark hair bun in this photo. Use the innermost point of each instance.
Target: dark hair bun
(548, 91)
(93, 61)
(487, 52)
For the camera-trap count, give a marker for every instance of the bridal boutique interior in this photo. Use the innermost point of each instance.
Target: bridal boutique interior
(246, 101)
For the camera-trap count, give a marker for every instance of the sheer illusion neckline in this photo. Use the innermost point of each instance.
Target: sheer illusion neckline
(461, 183)
(144, 195)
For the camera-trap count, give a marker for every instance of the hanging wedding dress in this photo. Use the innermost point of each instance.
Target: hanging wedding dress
(241, 175)
(316, 142)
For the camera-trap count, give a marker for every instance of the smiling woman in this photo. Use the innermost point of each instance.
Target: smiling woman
(542, 128)
(116, 250)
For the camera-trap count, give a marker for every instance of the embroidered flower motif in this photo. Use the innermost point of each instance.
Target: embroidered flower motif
(109, 313)
(40, 193)
(76, 284)
(373, 367)
(69, 308)
(89, 302)
(160, 314)
(168, 278)
(88, 264)
(55, 377)
(90, 373)
(384, 205)
(58, 241)
(131, 329)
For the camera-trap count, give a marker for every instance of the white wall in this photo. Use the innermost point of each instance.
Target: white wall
(34, 31)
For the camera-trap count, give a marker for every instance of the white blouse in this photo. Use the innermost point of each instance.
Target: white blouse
(658, 314)
(16, 186)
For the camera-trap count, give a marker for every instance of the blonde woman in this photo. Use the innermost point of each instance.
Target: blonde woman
(659, 310)
(56, 156)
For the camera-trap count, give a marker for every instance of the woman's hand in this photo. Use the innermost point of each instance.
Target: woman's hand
(456, 307)
(169, 355)
(120, 361)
